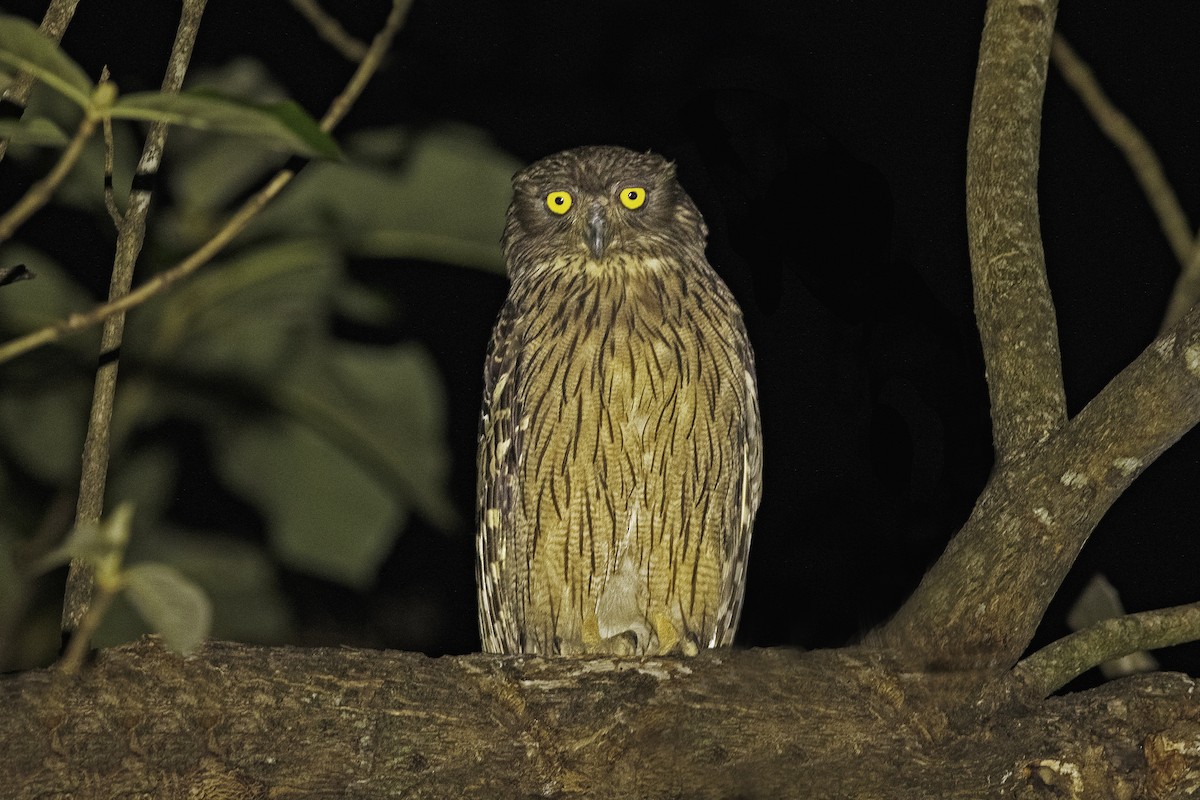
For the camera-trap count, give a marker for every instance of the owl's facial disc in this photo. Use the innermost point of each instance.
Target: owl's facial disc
(596, 234)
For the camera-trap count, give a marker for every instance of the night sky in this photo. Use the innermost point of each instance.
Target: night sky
(825, 144)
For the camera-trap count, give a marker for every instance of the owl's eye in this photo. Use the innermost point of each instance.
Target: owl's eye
(633, 197)
(559, 202)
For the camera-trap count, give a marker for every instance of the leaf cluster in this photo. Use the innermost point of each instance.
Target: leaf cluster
(334, 443)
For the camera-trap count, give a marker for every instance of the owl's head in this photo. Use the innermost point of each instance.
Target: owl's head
(599, 204)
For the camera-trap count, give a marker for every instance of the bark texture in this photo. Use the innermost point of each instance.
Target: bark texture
(240, 721)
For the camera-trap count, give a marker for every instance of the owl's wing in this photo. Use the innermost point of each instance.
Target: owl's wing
(500, 613)
(743, 501)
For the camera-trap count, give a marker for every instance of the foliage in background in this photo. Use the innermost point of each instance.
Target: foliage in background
(335, 443)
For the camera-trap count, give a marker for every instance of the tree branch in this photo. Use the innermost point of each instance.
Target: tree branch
(131, 233)
(329, 29)
(1129, 140)
(841, 724)
(979, 605)
(1052, 667)
(1186, 292)
(1146, 168)
(1013, 309)
(342, 104)
(232, 227)
(40, 193)
(981, 602)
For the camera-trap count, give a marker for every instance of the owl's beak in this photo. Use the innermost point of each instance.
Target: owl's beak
(596, 238)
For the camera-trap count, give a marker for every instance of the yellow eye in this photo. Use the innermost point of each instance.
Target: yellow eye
(559, 202)
(632, 197)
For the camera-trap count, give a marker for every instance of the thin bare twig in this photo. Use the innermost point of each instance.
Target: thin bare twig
(1132, 144)
(342, 104)
(329, 29)
(110, 199)
(236, 223)
(84, 630)
(1148, 171)
(131, 234)
(1052, 667)
(41, 192)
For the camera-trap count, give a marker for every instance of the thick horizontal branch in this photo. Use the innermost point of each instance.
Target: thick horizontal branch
(290, 723)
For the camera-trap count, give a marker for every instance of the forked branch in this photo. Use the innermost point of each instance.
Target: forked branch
(131, 233)
(979, 605)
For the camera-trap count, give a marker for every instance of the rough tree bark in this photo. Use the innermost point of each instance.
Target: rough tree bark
(934, 705)
(237, 721)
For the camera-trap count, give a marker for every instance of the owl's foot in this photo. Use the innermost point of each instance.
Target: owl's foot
(625, 643)
(670, 639)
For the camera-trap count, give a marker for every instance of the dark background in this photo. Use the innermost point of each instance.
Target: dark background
(825, 144)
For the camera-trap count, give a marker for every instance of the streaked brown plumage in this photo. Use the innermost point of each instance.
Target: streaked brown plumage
(619, 445)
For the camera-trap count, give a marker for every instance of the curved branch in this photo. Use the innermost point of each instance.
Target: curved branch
(329, 29)
(981, 602)
(1013, 309)
(40, 193)
(1147, 169)
(1052, 667)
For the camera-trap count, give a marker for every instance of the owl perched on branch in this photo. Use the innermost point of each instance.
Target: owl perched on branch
(620, 452)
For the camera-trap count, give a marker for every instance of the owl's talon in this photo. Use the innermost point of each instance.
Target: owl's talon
(624, 643)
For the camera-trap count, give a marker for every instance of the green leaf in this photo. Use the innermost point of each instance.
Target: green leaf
(44, 427)
(363, 441)
(385, 406)
(145, 478)
(28, 305)
(43, 424)
(37, 132)
(237, 576)
(284, 126)
(173, 606)
(327, 514)
(23, 48)
(101, 544)
(442, 198)
(245, 316)
(44, 397)
(207, 171)
(10, 580)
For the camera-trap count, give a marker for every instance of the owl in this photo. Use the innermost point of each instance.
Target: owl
(620, 451)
